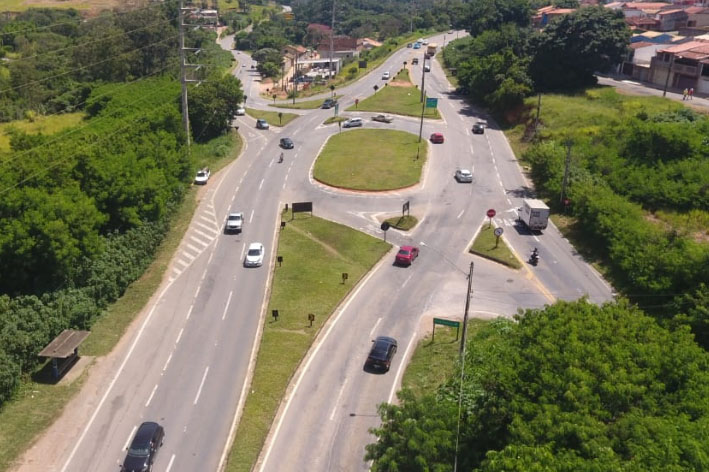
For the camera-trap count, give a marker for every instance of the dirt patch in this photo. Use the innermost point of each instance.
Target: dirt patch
(400, 83)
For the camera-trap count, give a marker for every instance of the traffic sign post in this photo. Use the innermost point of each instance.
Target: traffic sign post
(498, 233)
(385, 227)
(405, 209)
(356, 102)
(444, 322)
(431, 102)
(491, 214)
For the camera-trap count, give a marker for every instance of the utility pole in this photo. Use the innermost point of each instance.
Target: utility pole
(669, 74)
(423, 109)
(568, 144)
(183, 73)
(539, 108)
(295, 76)
(423, 74)
(467, 307)
(332, 37)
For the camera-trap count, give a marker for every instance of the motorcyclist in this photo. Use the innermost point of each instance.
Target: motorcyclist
(280, 159)
(534, 258)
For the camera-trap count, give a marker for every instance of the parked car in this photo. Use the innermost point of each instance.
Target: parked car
(352, 123)
(406, 255)
(383, 118)
(386, 76)
(254, 255)
(143, 448)
(234, 222)
(287, 143)
(328, 103)
(479, 127)
(382, 353)
(241, 111)
(437, 138)
(262, 124)
(464, 176)
(202, 176)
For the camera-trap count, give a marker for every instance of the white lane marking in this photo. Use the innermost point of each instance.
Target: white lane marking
(194, 248)
(199, 241)
(169, 465)
(227, 304)
(150, 398)
(339, 395)
(243, 248)
(188, 255)
(472, 150)
(461, 213)
(132, 432)
(177, 341)
(113, 381)
(536, 238)
(251, 218)
(509, 201)
(407, 280)
(189, 312)
(308, 362)
(182, 263)
(199, 392)
(209, 228)
(374, 328)
(169, 358)
(400, 372)
(261, 184)
(202, 233)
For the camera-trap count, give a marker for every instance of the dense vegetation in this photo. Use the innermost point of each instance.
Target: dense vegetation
(573, 387)
(83, 210)
(504, 59)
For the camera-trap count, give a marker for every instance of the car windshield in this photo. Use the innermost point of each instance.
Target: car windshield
(254, 252)
(201, 173)
(234, 217)
(140, 450)
(404, 252)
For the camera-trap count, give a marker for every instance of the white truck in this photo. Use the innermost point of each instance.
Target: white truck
(534, 213)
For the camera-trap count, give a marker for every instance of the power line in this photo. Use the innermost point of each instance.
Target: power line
(17, 155)
(43, 79)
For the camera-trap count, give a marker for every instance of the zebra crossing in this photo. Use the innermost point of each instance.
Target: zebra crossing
(202, 231)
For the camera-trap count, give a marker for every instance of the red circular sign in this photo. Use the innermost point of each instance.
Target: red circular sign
(491, 213)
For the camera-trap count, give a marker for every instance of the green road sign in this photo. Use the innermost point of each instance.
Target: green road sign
(431, 102)
(443, 322)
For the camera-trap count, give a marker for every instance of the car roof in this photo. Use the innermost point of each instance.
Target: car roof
(236, 213)
(437, 134)
(464, 171)
(145, 432)
(385, 339)
(255, 246)
(407, 248)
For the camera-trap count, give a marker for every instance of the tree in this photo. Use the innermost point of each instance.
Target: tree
(213, 106)
(486, 15)
(568, 52)
(573, 386)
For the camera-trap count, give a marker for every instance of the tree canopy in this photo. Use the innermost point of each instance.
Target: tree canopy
(573, 387)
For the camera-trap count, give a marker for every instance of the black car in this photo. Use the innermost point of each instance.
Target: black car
(328, 103)
(382, 353)
(143, 448)
(479, 127)
(287, 143)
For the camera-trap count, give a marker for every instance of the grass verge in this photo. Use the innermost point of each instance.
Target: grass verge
(402, 76)
(316, 252)
(334, 119)
(42, 124)
(396, 100)
(485, 245)
(39, 403)
(272, 116)
(371, 159)
(307, 105)
(403, 223)
(435, 361)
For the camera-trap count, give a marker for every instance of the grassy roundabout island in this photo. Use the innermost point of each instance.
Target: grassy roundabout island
(371, 159)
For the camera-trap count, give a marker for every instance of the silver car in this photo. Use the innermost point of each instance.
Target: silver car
(464, 176)
(234, 222)
(352, 122)
(254, 255)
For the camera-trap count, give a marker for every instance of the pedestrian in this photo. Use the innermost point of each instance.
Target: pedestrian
(684, 94)
(691, 93)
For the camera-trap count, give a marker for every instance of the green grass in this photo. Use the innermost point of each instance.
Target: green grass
(42, 124)
(38, 403)
(315, 254)
(224, 5)
(334, 119)
(396, 100)
(402, 76)
(581, 115)
(484, 245)
(371, 159)
(272, 116)
(307, 105)
(403, 223)
(434, 362)
(22, 5)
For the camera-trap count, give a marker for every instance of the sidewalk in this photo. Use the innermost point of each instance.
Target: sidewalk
(698, 103)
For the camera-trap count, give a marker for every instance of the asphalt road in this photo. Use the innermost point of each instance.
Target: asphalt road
(185, 363)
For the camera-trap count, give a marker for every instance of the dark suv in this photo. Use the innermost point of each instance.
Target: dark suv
(145, 445)
(328, 103)
(382, 353)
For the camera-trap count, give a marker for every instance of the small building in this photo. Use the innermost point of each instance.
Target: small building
(343, 47)
(682, 66)
(698, 17)
(671, 20)
(546, 14)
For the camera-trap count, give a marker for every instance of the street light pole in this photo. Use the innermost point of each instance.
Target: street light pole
(467, 307)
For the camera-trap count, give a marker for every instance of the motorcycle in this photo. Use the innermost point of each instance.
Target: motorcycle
(534, 257)
(280, 158)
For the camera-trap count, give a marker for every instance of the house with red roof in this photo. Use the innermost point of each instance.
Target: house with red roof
(682, 66)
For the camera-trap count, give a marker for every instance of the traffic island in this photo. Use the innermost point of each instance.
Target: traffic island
(491, 247)
(402, 223)
(274, 118)
(398, 100)
(371, 160)
(334, 119)
(306, 105)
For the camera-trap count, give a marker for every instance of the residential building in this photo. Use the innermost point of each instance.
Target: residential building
(698, 17)
(343, 47)
(682, 66)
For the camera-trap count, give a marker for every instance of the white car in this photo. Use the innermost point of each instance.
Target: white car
(424, 42)
(352, 122)
(234, 222)
(254, 255)
(202, 176)
(241, 111)
(385, 76)
(464, 176)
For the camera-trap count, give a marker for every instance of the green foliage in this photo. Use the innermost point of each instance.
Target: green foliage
(571, 48)
(571, 387)
(213, 106)
(484, 15)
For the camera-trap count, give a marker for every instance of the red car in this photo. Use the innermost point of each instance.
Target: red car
(437, 138)
(406, 255)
